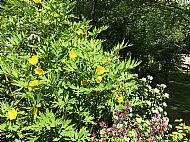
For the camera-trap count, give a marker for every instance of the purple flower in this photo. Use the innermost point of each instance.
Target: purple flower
(127, 107)
(142, 138)
(124, 132)
(155, 117)
(103, 140)
(94, 138)
(138, 133)
(103, 125)
(129, 123)
(152, 139)
(116, 113)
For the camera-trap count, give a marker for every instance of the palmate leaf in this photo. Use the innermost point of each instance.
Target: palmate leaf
(120, 46)
(15, 40)
(131, 64)
(82, 135)
(127, 65)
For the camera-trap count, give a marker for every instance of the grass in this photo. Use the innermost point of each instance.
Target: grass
(179, 102)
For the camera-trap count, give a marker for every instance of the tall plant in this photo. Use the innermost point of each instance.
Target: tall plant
(56, 82)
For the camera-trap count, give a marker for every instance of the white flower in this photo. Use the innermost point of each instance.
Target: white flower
(148, 103)
(136, 75)
(166, 95)
(127, 139)
(102, 131)
(132, 133)
(119, 126)
(166, 120)
(160, 109)
(109, 129)
(155, 111)
(130, 114)
(139, 120)
(156, 90)
(165, 113)
(150, 77)
(115, 117)
(130, 110)
(143, 79)
(164, 104)
(163, 85)
(149, 87)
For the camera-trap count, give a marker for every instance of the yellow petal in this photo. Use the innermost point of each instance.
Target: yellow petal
(33, 60)
(34, 83)
(39, 71)
(72, 54)
(120, 99)
(99, 79)
(12, 114)
(80, 32)
(56, 15)
(100, 69)
(37, 1)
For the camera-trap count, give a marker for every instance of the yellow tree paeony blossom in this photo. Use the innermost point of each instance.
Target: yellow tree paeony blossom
(37, 1)
(34, 83)
(99, 79)
(72, 54)
(100, 69)
(120, 99)
(35, 113)
(84, 83)
(33, 60)
(56, 15)
(80, 32)
(12, 114)
(39, 71)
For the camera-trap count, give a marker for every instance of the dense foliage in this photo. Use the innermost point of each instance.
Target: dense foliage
(157, 30)
(57, 83)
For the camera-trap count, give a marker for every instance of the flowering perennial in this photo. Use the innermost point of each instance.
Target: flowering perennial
(12, 114)
(39, 71)
(33, 60)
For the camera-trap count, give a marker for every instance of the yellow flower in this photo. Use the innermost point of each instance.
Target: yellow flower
(12, 114)
(99, 79)
(117, 87)
(35, 113)
(120, 99)
(33, 60)
(100, 69)
(72, 54)
(37, 1)
(39, 71)
(80, 32)
(34, 83)
(84, 83)
(56, 15)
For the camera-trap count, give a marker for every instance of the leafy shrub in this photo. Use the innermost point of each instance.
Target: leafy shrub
(57, 84)
(142, 118)
(181, 133)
